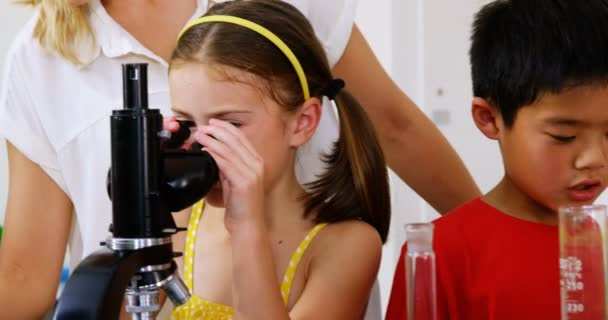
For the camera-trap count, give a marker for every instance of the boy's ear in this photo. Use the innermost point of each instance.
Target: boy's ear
(486, 118)
(305, 122)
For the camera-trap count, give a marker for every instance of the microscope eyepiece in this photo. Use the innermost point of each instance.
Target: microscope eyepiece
(135, 85)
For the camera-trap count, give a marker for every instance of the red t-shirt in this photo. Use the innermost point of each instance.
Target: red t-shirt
(489, 265)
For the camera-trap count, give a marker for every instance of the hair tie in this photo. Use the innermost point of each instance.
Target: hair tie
(333, 88)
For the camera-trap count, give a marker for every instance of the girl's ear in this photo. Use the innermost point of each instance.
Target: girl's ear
(305, 122)
(486, 118)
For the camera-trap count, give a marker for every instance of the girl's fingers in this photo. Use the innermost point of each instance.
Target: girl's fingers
(238, 171)
(227, 171)
(237, 133)
(234, 173)
(233, 164)
(233, 142)
(220, 132)
(213, 145)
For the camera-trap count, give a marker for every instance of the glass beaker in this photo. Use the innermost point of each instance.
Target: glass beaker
(583, 262)
(420, 272)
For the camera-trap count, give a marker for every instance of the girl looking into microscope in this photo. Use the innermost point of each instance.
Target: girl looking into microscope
(252, 76)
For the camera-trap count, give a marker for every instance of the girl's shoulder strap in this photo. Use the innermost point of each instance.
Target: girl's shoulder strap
(292, 266)
(195, 217)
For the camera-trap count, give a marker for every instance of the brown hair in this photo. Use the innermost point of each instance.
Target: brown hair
(355, 184)
(62, 27)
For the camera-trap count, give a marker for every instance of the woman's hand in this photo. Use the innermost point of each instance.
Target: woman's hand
(180, 137)
(170, 124)
(241, 172)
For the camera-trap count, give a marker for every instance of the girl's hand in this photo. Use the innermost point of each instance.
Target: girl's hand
(241, 172)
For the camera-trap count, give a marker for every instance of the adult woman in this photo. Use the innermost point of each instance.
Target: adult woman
(54, 115)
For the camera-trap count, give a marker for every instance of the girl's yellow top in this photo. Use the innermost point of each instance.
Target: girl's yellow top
(200, 308)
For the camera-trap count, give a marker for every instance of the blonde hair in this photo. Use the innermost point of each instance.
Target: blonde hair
(62, 27)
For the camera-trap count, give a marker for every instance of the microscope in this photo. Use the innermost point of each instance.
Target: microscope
(150, 177)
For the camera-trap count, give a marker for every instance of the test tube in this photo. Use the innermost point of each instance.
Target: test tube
(420, 272)
(583, 262)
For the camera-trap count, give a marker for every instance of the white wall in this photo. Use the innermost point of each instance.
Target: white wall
(12, 16)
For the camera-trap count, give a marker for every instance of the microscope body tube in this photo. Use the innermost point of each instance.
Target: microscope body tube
(136, 174)
(136, 170)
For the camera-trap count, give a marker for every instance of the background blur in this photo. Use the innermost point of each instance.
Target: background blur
(423, 44)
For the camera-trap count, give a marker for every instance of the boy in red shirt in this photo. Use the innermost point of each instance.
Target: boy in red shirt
(540, 75)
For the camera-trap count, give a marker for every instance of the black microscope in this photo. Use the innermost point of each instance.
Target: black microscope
(150, 177)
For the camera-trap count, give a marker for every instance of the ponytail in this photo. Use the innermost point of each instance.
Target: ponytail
(355, 184)
(62, 27)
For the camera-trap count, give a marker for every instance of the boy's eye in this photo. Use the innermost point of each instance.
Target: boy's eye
(563, 139)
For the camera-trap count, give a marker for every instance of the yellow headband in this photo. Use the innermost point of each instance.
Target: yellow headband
(264, 32)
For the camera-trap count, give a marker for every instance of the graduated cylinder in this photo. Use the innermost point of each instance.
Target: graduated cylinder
(420, 272)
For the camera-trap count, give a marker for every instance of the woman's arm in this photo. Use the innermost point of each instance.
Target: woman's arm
(38, 220)
(414, 148)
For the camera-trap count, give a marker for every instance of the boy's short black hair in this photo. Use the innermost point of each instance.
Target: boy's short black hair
(522, 49)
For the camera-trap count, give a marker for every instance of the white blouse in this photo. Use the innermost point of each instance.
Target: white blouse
(57, 114)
